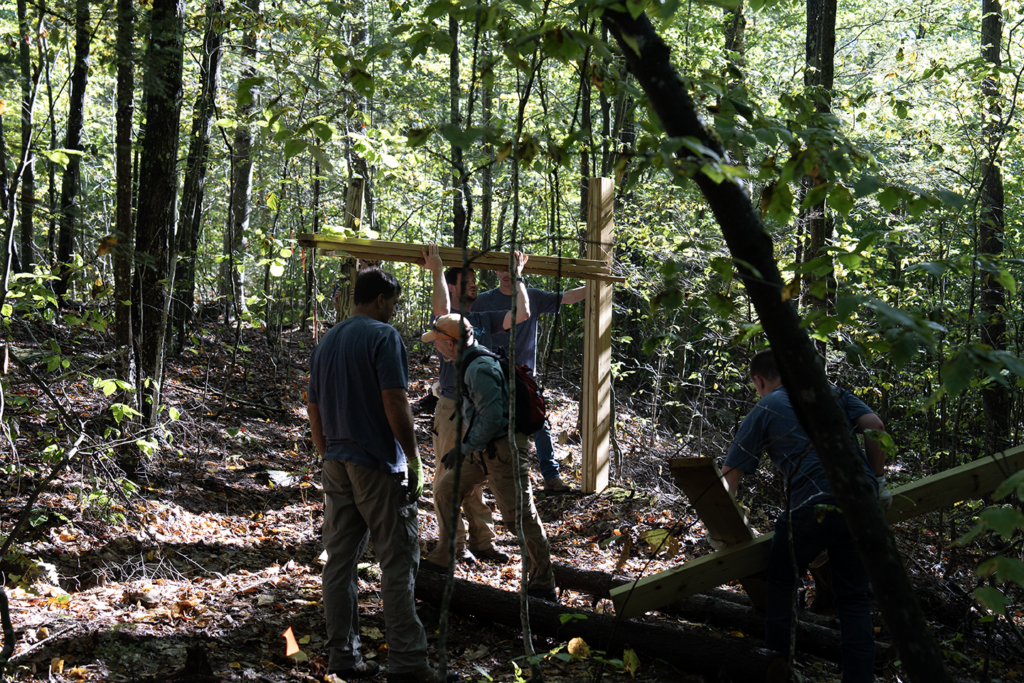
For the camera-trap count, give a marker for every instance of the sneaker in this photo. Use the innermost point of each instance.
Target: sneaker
(366, 668)
(427, 675)
(465, 557)
(555, 485)
(548, 594)
(491, 554)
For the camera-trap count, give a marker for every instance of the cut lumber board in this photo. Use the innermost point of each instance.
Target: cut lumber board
(973, 480)
(596, 394)
(701, 481)
(404, 252)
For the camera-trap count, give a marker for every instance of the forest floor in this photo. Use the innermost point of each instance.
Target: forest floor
(218, 546)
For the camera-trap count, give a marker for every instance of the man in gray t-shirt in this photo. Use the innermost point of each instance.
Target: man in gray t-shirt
(500, 299)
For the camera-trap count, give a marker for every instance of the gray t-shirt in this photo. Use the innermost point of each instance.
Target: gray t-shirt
(772, 428)
(352, 364)
(526, 331)
(484, 325)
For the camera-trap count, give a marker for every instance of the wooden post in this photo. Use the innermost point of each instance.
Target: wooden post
(597, 340)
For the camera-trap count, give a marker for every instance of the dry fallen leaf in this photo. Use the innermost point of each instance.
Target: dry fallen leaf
(578, 647)
(291, 647)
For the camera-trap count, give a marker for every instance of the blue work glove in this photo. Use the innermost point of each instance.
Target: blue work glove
(884, 495)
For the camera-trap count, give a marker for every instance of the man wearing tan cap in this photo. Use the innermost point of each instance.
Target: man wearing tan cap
(488, 455)
(454, 289)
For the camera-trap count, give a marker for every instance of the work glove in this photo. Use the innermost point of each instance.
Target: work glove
(415, 477)
(449, 459)
(884, 495)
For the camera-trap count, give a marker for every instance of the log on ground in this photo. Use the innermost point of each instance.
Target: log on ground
(815, 634)
(685, 650)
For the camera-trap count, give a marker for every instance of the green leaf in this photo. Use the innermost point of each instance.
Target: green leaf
(846, 305)
(991, 598)
(631, 42)
(866, 185)
(417, 136)
(245, 86)
(322, 158)
(721, 304)
(1007, 281)
(889, 198)
(841, 200)
(1008, 486)
(957, 373)
(336, 9)
(173, 412)
(1003, 568)
(277, 269)
(293, 147)
(463, 139)
(950, 198)
(1004, 521)
(323, 131)
(636, 8)
(851, 261)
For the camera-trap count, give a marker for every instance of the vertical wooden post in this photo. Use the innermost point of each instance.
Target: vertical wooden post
(596, 403)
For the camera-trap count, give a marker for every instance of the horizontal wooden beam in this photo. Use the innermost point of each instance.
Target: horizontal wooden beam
(381, 250)
(973, 480)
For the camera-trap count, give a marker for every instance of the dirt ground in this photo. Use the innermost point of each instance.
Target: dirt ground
(214, 554)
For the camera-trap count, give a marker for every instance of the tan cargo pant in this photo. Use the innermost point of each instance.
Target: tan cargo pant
(481, 522)
(499, 473)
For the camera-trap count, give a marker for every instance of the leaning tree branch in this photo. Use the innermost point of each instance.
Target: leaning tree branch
(802, 372)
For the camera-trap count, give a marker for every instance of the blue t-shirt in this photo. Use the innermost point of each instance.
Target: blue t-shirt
(526, 331)
(352, 364)
(772, 427)
(484, 324)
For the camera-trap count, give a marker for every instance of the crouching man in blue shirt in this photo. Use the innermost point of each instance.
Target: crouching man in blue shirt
(772, 427)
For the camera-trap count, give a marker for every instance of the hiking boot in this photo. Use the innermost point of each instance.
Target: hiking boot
(491, 554)
(548, 594)
(366, 668)
(555, 485)
(427, 675)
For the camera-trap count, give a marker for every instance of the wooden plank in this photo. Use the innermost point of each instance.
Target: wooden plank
(701, 481)
(973, 480)
(584, 269)
(597, 340)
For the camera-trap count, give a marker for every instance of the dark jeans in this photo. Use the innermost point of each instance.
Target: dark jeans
(849, 584)
(545, 453)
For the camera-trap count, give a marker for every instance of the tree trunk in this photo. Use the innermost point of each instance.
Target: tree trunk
(28, 177)
(454, 90)
(587, 139)
(802, 372)
(819, 76)
(236, 237)
(190, 219)
(69, 194)
(158, 185)
(688, 651)
(995, 397)
(124, 225)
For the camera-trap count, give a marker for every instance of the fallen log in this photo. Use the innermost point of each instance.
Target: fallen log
(816, 635)
(733, 658)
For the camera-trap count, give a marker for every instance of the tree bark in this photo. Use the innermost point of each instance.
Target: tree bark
(459, 228)
(694, 652)
(995, 397)
(124, 225)
(819, 77)
(190, 219)
(158, 185)
(802, 372)
(69, 190)
(28, 178)
(236, 237)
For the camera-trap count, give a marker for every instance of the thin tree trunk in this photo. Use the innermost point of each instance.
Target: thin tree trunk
(190, 219)
(69, 192)
(802, 373)
(28, 179)
(455, 95)
(236, 237)
(818, 79)
(995, 397)
(124, 226)
(158, 185)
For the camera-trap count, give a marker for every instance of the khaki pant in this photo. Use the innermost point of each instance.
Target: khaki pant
(499, 473)
(481, 522)
(362, 504)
